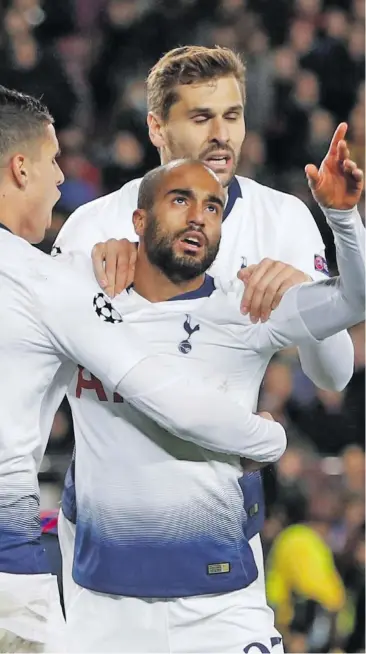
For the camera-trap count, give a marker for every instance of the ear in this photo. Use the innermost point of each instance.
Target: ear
(19, 170)
(139, 221)
(155, 126)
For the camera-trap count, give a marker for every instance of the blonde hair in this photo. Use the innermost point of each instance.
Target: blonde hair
(187, 65)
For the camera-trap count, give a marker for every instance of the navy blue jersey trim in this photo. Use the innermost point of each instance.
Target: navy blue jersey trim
(234, 192)
(205, 290)
(2, 226)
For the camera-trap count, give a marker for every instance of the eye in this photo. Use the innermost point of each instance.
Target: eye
(212, 208)
(201, 119)
(232, 116)
(180, 200)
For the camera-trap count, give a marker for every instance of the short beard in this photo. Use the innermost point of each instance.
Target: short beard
(160, 253)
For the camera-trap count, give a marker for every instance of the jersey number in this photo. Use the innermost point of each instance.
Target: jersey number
(262, 648)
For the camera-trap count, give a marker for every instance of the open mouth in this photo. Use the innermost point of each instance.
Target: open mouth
(192, 242)
(218, 161)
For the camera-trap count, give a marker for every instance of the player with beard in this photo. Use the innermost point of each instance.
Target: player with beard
(196, 101)
(54, 317)
(160, 553)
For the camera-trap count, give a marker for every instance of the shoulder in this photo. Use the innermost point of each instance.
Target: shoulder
(228, 285)
(281, 215)
(109, 205)
(227, 298)
(107, 217)
(279, 201)
(23, 268)
(18, 257)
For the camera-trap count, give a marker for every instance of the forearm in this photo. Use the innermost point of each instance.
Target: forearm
(331, 306)
(195, 411)
(328, 363)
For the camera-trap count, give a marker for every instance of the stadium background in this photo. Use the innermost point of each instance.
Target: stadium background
(305, 72)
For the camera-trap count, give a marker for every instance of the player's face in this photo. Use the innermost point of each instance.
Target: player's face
(207, 123)
(44, 178)
(183, 231)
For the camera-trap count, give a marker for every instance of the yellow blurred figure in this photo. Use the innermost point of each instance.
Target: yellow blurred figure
(301, 568)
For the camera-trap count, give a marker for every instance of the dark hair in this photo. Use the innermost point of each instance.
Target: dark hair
(186, 65)
(22, 118)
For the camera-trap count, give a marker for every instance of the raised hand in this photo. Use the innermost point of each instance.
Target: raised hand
(339, 182)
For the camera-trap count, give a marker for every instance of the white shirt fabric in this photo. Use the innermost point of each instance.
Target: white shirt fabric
(53, 318)
(167, 520)
(259, 222)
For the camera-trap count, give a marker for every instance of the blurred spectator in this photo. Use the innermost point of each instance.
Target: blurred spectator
(124, 161)
(321, 128)
(353, 474)
(29, 68)
(303, 585)
(259, 102)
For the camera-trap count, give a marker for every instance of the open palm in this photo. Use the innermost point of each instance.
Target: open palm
(339, 182)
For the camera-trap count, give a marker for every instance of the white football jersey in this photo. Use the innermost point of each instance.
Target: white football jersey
(258, 222)
(54, 312)
(47, 319)
(160, 518)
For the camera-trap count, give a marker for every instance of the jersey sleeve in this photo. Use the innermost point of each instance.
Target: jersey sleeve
(82, 325)
(317, 310)
(329, 364)
(300, 240)
(80, 322)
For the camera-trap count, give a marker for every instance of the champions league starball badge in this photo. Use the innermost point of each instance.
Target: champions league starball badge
(105, 309)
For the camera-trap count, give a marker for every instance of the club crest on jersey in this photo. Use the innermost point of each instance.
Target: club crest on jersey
(244, 262)
(105, 309)
(320, 264)
(185, 346)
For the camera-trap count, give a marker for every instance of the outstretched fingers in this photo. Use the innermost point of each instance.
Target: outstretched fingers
(350, 168)
(338, 136)
(312, 174)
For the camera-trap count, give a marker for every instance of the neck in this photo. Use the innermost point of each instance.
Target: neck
(11, 215)
(153, 285)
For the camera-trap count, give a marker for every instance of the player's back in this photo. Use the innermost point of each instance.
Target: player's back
(31, 388)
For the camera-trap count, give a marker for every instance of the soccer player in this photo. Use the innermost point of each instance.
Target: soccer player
(53, 318)
(160, 553)
(196, 99)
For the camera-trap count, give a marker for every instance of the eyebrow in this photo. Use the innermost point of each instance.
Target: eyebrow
(216, 200)
(187, 193)
(208, 110)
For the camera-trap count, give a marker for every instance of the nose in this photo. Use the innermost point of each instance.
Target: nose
(219, 131)
(60, 176)
(195, 215)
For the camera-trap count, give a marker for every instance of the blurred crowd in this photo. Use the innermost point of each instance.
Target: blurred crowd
(89, 59)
